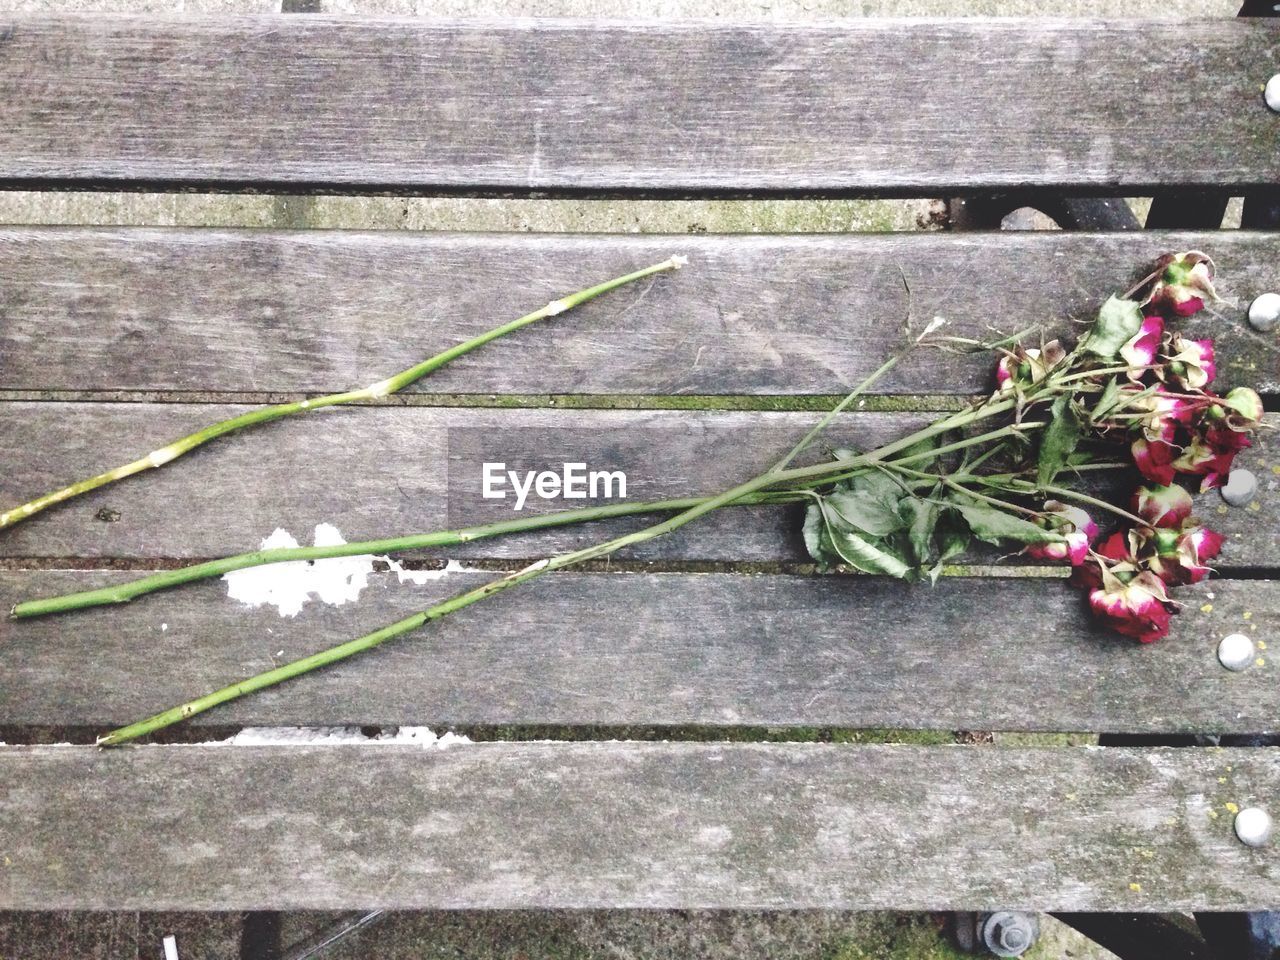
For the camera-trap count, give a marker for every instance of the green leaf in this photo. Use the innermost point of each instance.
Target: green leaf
(1107, 400)
(814, 526)
(993, 525)
(1118, 321)
(866, 510)
(864, 553)
(920, 516)
(875, 484)
(1059, 440)
(952, 537)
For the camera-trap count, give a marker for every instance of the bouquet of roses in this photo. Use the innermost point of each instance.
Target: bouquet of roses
(1015, 468)
(1134, 387)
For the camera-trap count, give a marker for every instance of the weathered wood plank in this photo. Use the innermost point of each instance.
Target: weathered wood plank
(552, 105)
(633, 825)
(377, 472)
(102, 309)
(702, 649)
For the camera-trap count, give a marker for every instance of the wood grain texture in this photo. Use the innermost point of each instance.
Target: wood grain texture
(377, 472)
(199, 310)
(657, 649)
(633, 825)
(547, 105)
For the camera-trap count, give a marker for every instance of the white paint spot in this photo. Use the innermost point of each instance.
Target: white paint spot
(420, 577)
(290, 586)
(423, 737)
(287, 736)
(164, 627)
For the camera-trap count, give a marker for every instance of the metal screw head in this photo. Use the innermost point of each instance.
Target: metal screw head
(1271, 93)
(1240, 487)
(1264, 312)
(1235, 652)
(1253, 826)
(1010, 933)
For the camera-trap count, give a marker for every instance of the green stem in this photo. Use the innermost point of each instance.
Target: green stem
(288, 671)
(132, 589)
(805, 473)
(955, 484)
(361, 644)
(376, 391)
(167, 579)
(1027, 488)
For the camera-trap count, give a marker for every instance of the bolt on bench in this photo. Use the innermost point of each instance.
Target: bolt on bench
(113, 341)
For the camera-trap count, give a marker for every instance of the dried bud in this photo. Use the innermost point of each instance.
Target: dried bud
(1022, 367)
(1138, 609)
(1140, 352)
(1155, 459)
(1161, 413)
(1184, 283)
(1161, 506)
(1189, 363)
(1077, 529)
(1211, 453)
(1179, 556)
(1241, 410)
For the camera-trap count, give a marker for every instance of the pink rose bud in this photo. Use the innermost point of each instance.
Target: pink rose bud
(1077, 528)
(1179, 557)
(1024, 367)
(1155, 459)
(1004, 371)
(1118, 549)
(1211, 453)
(1160, 413)
(1189, 363)
(1136, 609)
(1185, 281)
(1207, 543)
(1140, 352)
(1161, 506)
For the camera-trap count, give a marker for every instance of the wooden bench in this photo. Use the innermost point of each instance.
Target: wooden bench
(114, 340)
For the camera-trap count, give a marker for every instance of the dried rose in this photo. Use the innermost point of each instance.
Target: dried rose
(1161, 506)
(1141, 350)
(1138, 609)
(1160, 413)
(1024, 367)
(1240, 410)
(1184, 283)
(1078, 531)
(1177, 557)
(1155, 459)
(1210, 454)
(1188, 363)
